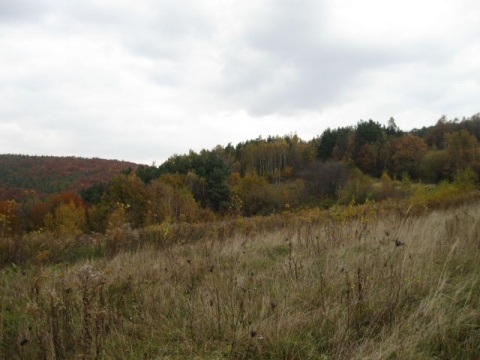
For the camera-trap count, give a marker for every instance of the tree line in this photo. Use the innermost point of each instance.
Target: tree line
(258, 177)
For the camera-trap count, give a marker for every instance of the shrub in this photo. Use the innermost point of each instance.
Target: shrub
(358, 188)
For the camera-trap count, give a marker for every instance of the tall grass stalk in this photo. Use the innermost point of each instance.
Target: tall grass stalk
(366, 283)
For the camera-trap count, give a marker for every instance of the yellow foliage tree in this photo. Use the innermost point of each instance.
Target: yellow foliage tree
(170, 199)
(66, 219)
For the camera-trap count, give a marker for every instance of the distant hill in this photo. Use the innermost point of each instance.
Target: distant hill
(44, 175)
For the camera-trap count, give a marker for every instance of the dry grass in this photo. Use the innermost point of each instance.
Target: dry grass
(374, 286)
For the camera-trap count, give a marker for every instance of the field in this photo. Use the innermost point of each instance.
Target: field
(350, 283)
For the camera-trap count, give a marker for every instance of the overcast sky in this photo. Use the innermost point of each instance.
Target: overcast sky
(140, 80)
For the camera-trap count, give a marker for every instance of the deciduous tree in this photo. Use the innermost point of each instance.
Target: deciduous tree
(407, 153)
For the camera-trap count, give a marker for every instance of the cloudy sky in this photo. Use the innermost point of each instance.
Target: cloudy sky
(140, 80)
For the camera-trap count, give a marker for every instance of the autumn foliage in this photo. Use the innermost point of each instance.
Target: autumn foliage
(361, 163)
(361, 243)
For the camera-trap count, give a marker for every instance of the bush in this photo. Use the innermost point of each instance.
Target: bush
(358, 188)
(465, 180)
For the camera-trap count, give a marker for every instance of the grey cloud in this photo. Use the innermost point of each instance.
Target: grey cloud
(152, 29)
(22, 10)
(159, 30)
(74, 74)
(288, 45)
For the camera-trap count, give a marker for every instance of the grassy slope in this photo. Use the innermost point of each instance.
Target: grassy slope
(321, 290)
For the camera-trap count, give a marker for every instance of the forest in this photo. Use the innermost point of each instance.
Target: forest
(362, 243)
(42, 176)
(367, 161)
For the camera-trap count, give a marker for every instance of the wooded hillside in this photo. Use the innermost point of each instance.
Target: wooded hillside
(355, 164)
(50, 174)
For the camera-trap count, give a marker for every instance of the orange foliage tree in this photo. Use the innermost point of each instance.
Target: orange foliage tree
(407, 153)
(10, 221)
(461, 150)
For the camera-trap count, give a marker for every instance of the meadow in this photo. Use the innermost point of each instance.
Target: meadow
(374, 281)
